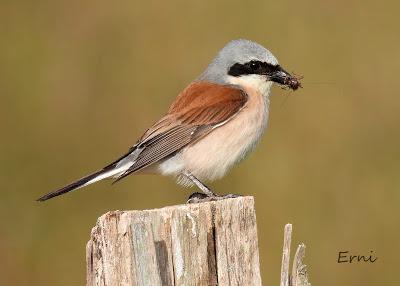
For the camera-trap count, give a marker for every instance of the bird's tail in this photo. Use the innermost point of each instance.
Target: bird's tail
(85, 181)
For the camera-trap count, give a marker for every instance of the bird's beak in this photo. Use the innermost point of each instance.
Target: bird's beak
(284, 78)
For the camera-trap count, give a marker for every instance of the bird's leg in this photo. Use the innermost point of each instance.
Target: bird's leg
(206, 194)
(205, 190)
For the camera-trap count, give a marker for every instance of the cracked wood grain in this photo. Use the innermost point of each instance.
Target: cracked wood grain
(299, 275)
(213, 243)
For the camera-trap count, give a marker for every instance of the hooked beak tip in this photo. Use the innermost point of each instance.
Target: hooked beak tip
(286, 79)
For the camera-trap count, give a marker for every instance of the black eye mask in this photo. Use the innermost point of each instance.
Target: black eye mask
(253, 67)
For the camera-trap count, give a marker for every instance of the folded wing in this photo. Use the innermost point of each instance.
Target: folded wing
(197, 111)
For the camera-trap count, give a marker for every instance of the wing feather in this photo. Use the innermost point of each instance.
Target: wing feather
(195, 112)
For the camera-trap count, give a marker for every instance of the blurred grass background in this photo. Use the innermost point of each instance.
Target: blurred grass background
(81, 80)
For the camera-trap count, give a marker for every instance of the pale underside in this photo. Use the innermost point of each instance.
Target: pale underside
(212, 156)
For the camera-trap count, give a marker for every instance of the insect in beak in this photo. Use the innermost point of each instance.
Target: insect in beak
(286, 79)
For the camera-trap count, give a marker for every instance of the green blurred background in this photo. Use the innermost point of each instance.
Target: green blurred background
(81, 80)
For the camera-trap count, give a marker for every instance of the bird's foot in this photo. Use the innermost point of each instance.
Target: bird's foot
(197, 197)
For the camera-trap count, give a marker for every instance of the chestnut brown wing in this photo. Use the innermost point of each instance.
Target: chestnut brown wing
(199, 109)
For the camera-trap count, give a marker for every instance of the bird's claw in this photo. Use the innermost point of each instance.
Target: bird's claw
(197, 197)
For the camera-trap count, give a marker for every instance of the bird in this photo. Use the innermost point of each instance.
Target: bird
(210, 127)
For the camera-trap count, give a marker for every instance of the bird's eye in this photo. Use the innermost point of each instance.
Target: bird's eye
(254, 65)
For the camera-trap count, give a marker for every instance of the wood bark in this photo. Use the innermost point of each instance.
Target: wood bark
(213, 243)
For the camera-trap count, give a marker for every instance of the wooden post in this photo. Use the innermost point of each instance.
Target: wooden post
(287, 240)
(299, 276)
(211, 243)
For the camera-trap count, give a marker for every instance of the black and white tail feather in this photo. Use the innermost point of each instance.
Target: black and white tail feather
(151, 149)
(116, 170)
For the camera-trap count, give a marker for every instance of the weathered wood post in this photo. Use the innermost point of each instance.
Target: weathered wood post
(211, 243)
(299, 276)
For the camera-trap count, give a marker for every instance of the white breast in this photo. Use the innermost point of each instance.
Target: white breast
(212, 156)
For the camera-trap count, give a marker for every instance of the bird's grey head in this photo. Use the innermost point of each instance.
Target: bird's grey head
(246, 59)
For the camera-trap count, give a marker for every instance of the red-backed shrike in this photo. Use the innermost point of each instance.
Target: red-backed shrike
(212, 124)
